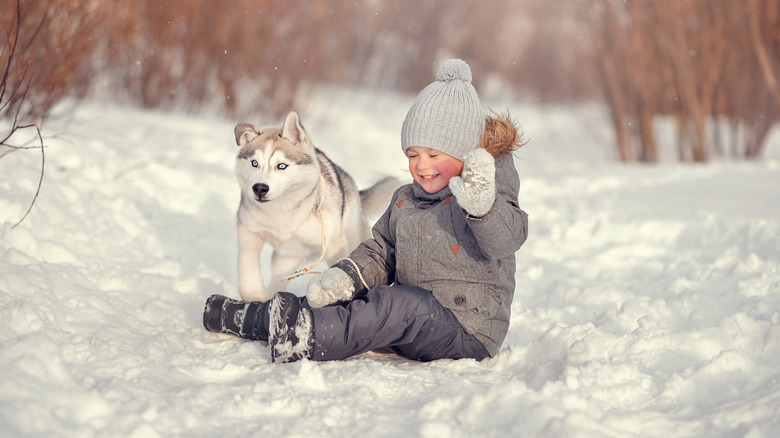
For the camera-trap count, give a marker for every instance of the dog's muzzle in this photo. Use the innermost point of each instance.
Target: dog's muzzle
(260, 190)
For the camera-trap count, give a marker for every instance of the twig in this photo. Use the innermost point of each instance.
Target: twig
(40, 180)
(14, 128)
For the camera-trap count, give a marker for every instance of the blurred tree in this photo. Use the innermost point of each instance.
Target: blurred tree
(687, 60)
(711, 67)
(27, 90)
(52, 56)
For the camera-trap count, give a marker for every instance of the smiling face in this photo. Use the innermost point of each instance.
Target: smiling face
(432, 169)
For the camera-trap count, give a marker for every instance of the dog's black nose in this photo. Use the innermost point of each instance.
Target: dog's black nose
(260, 190)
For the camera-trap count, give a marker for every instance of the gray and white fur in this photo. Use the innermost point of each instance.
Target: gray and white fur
(290, 193)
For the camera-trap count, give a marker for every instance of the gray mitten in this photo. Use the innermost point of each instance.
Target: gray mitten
(330, 287)
(475, 189)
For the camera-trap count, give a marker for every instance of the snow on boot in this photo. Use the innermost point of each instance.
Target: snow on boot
(290, 329)
(247, 320)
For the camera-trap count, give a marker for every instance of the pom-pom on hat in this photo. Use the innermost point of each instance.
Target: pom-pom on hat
(447, 115)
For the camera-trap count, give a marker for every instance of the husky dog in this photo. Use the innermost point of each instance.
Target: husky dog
(297, 200)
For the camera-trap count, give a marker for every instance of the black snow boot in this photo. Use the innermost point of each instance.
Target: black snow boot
(291, 330)
(246, 320)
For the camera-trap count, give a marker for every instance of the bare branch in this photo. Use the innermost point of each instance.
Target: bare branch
(40, 180)
(13, 98)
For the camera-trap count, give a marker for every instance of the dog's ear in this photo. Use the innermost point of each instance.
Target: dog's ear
(293, 130)
(245, 133)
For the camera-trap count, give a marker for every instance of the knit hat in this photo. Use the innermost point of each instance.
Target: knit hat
(447, 115)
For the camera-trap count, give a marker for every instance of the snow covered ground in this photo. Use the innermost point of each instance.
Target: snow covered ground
(647, 301)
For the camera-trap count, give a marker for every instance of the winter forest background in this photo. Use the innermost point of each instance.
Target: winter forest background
(648, 293)
(708, 69)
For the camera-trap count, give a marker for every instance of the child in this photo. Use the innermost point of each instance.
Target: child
(437, 278)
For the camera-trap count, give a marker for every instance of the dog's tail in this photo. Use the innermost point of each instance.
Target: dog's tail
(375, 199)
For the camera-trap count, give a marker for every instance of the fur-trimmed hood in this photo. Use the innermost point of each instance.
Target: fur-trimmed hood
(501, 136)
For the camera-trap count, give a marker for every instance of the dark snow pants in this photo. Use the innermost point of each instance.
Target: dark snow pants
(409, 320)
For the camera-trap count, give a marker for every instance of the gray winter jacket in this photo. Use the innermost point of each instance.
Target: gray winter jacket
(428, 240)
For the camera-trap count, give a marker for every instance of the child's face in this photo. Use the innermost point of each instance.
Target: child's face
(432, 169)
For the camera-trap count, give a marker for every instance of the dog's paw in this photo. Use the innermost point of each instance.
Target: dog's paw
(253, 293)
(208, 337)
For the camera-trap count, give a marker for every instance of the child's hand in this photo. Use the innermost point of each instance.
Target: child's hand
(331, 286)
(475, 189)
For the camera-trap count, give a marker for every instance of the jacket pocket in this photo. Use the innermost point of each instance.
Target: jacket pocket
(469, 298)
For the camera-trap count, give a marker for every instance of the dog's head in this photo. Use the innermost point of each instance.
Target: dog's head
(274, 162)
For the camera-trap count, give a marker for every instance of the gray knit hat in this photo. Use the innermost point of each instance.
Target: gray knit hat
(447, 115)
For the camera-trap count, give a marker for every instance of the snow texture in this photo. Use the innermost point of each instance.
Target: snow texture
(646, 304)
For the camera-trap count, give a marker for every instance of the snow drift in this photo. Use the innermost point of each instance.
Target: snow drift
(646, 304)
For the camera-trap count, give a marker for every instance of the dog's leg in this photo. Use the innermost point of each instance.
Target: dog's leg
(337, 249)
(284, 265)
(250, 277)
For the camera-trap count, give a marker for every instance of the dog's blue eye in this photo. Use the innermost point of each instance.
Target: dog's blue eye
(281, 166)
(254, 163)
